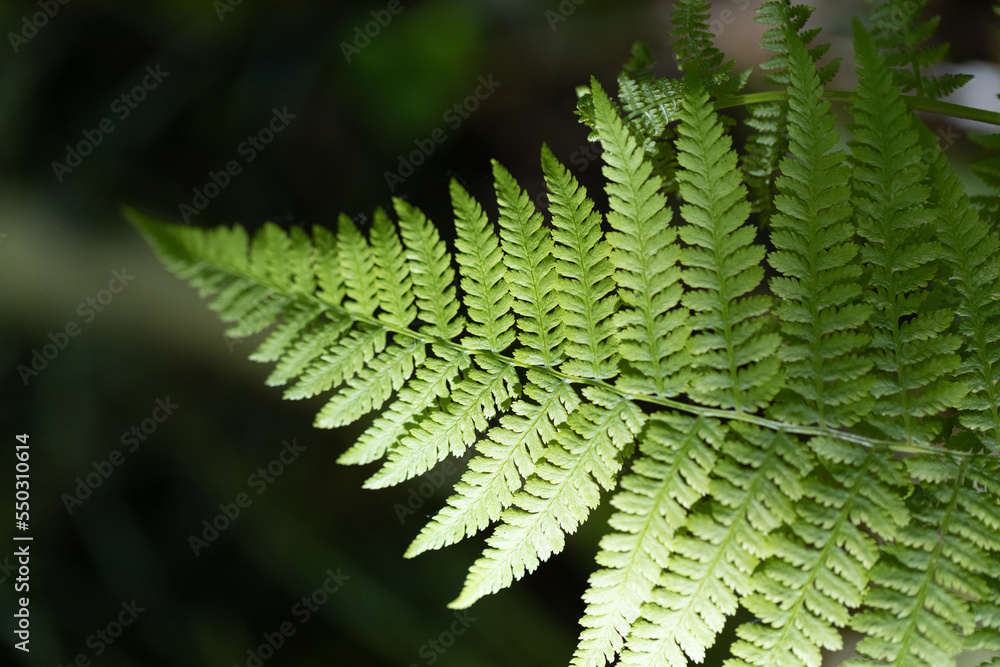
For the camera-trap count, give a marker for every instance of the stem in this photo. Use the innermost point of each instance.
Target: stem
(915, 102)
(696, 410)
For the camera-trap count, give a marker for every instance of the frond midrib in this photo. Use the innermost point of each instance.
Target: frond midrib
(695, 410)
(913, 102)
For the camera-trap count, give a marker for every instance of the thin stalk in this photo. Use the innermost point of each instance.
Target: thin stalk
(914, 102)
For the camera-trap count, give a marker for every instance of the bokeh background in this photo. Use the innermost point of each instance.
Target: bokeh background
(357, 108)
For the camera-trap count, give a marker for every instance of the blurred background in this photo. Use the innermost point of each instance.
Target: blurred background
(147, 425)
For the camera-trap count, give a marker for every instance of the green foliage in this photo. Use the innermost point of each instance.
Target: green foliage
(769, 143)
(900, 35)
(799, 419)
(913, 351)
(695, 51)
(820, 311)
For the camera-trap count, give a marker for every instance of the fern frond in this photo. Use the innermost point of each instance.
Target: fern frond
(475, 400)
(584, 300)
(764, 149)
(818, 574)
(585, 456)
(972, 254)
(917, 610)
(731, 347)
(487, 294)
(304, 347)
(986, 610)
(786, 18)
(371, 379)
(507, 456)
(586, 290)
(651, 104)
(348, 357)
(373, 384)
(433, 381)
(820, 308)
(899, 36)
(430, 269)
(327, 271)
(987, 169)
(357, 266)
(913, 351)
(818, 448)
(671, 474)
(651, 328)
(769, 143)
(651, 107)
(697, 55)
(726, 538)
(255, 310)
(392, 276)
(527, 247)
(300, 315)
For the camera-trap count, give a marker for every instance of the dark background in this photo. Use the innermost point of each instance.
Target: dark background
(62, 236)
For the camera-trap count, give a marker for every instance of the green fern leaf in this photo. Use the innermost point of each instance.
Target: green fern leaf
(769, 144)
(697, 55)
(804, 593)
(712, 562)
(915, 354)
(559, 496)
(722, 268)
(786, 18)
(327, 271)
(484, 281)
(301, 315)
(669, 477)
(973, 256)
(507, 455)
(917, 609)
(651, 328)
(586, 290)
(309, 344)
(357, 266)
(510, 452)
(527, 246)
(430, 268)
(819, 290)
(652, 104)
(735, 422)
(349, 356)
(819, 570)
(434, 380)
(373, 384)
(987, 169)
(899, 35)
(986, 610)
(475, 400)
(392, 277)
